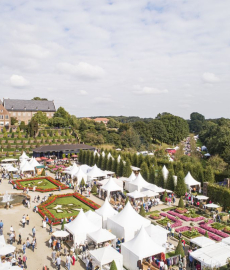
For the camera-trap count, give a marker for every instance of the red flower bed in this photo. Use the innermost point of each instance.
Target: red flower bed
(48, 178)
(181, 211)
(43, 211)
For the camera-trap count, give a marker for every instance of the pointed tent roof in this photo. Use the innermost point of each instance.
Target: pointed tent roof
(33, 162)
(165, 172)
(110, 156)
(142, 245)
(23, 156)
(111, 186)
(136, 194)
(81, 224)
(149, 193)
(80, 174)
(139, 181)
(103, 154)
(102, 235)
(10, 168)
(106, 210)
(96, 153)
(190, 181)
(70, 167)
(27, 167)
(73, 170)
(96, 172)
(128, 217)
(119, 158)
(22, 163)
(94, 217)
(154, 188)
(85, 168)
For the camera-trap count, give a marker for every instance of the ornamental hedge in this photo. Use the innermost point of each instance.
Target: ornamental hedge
(219, 194)
(48, 178)
(43, 211)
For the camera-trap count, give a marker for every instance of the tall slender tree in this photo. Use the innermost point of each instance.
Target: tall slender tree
(180, 187)
(170, 181)
(152, 175)
(145, 171)
(127, 168)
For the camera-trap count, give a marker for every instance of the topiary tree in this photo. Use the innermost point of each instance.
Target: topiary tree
(180, 187)
(63, 223)
(43, 173)
(82, 184)
(113, 266)
(126, 200)
(170, 181)
(164, 196)
(144, 171)
(179, 249)
(12, 136)
(94, 189)
(181, 203)
(127, 168)
(206, 234)
(142, 211)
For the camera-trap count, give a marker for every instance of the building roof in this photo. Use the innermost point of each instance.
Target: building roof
(29, 105)
(63, 147)
(101, 119)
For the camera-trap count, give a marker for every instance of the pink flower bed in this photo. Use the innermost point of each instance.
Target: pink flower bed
(210, 229)
(211, 235)
(209, 222)
(183, 229)
(184, 217)
(177, 223)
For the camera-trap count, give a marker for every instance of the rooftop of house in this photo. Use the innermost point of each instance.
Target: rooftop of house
(29, 105)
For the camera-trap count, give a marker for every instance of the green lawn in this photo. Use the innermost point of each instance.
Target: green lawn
(41, 183)
(67, 207)
(170, 254)
(191, 234)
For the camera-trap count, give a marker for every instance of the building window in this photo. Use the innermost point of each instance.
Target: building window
(1, 110)
(6, 116)
(24, 114)
(1, 116)
(14, 114)
(19, 114)
(48, 114)
(1, 123)
(28, 114)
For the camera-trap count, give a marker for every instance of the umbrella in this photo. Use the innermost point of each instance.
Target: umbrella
(38, 159)
(60, 234)
(74, 155)
(44, 158)
(212, 205)
(7, 249)
(65, 158)
(49, 160)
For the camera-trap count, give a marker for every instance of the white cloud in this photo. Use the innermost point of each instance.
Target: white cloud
(18, 81)
(102, 100)
(210, 77)
(82, 69)
(83, 92)
(32, 50)
(149, 90)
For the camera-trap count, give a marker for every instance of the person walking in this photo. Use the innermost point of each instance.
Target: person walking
(53, 256)
(68, 261)
(33, 244)
(1, 224)
(24, 259)
(24, 248)
(33, 231)
(23, 221)
(58, 262)
(27, 220)
(180, 265)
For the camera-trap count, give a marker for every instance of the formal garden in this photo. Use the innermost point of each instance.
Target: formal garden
(42, 184)
(65, 206)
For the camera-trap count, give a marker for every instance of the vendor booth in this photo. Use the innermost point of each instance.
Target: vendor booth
(79, 227)
(95, 172)
(105, 211)
(202, 241)
(191, 183)
(139, 248)
(94, 218)
(137, 184)
(101, 238)
(158, 234)
(126, 223)
(110, 187)
(128, 180)
(79, 176)
(103, 257)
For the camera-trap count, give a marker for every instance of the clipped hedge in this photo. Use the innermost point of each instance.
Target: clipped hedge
(219, 194)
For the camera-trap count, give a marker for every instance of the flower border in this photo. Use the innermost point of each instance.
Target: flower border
(43, 211)
(19, 186)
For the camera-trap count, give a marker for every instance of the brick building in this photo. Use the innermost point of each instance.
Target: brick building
(23, 110)
(103, 120)
(4, 117)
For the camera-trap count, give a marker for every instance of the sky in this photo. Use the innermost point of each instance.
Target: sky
(122, 57)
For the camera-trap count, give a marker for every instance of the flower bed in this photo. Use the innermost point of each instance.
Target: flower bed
(210, 235)
(155, 217)
(227, 229)
(181, 210)
(173, 213)
(191, 234)
(218, 226)
(43, 211)
(208, 222)
(210, 229)
(57, 184)
(183, 229)
(177, 223)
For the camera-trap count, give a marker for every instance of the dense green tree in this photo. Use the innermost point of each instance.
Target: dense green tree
(144, 171)
(127, 168)
(178, 168)
(196, 122)
(142, 211)
(180, 187)
(181, 202)
(164, 196)
(13, 121)
(113, 266)
(80, 154)
(160, 178)
(38, 98)
(120, 168)
(179, 249)
(134, 159)
(114, 168)
(104, 163)
(32, 127)
(113, 123)
(152, 175)
(158, 131)
(209, 175)
(217, 163)
(170, 181)
(109, 164)
(40, 117)
(140, 160)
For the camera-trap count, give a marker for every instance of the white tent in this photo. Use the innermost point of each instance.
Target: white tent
(154, 188)
(226, 241)
(33, 162)
(111, 186)
(118, 158)
(106, 255)
(79, 175)
(137, 184)
(135, 194)
(27, 167)
(95, 172)
(105, 211)
(202, 241)
(140, 247)
(11, 169)
(150, 193)
(79, 227)
(103, 154)
(190, 181)
(73, 170)
(214, 255)
(96, 153)
(201, 197)
(212, 205)
(2, 241)
(165, 173)
(128, 180)
(22, 163)
(6, 249)
(101, 236)
(94, 218)
(158, 234)
(110, 156)
(126, 223)
(85, 168)
(118, 181)
(23, 156)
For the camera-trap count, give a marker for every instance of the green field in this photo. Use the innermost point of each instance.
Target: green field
(67, 207)
(41, 183)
